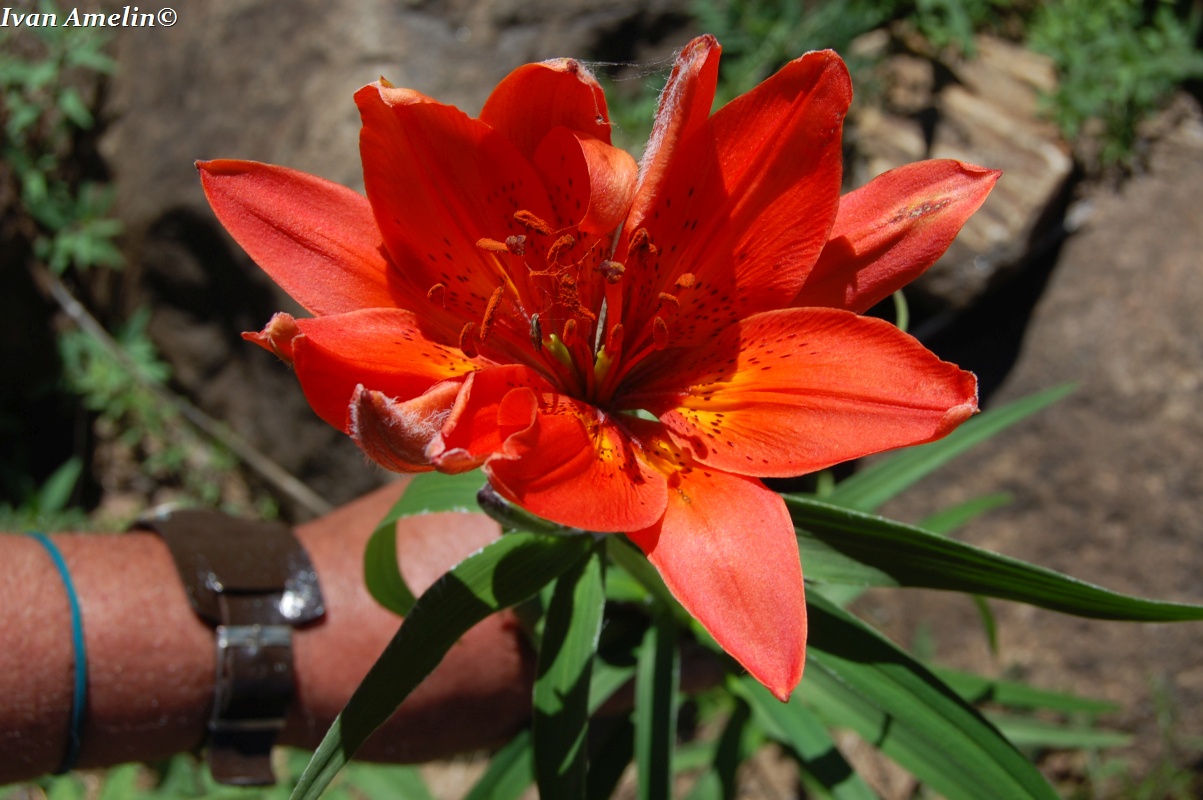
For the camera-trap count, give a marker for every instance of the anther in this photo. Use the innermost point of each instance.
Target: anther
(491, 312)
(611, 271)
(467, 340)
(559, 247)
(641, 246)
(614, 339)
(569, 332)
(686, 280)
(536, 332)
(660, 333)
(437, 295)
(531, 222)
(669, 303)
(492, 245)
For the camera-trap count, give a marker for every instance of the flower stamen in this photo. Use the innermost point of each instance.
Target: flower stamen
(532, 222)
(611, 271)
(559, 247)
(467, 340)
(659, 333)
(437, 295)
(486, 324)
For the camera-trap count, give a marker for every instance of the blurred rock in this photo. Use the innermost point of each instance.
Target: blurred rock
(1107, 483)
(260, 80)
(983, 110)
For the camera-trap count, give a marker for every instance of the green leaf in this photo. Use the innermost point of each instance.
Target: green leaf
(868, 489)
(510, 771)
(1031, 732)
(797, 727)
(735, 745)
(857, 679)
(504, 573)
(381, 780)
(561, 695)
(72, 104)
(427, 493)
(55, 493)
(613, 748)
(844, 546)
(978, 689)
(948, 520)
(636, 565)
(121, 783)
(658, 676)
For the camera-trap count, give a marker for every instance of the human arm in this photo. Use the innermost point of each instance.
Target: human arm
(151, 660)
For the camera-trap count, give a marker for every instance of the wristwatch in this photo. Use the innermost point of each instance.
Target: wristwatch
(254, 583)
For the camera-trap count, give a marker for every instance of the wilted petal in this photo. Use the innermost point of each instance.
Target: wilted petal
(316, 239)
(727, 551)
(395, 433)
(889, 231)
(797, 390)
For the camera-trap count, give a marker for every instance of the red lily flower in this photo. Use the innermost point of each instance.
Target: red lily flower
(513, 289)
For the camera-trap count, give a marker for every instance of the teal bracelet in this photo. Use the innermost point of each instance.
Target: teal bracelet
(79, 701)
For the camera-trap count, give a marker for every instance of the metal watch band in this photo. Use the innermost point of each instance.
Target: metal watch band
(254, 583)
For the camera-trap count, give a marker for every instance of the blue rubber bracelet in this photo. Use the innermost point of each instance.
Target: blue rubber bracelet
(79, 700)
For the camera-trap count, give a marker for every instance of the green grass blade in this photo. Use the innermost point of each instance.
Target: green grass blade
(1013, 694)
(1030, 732)
(735, 745)
(614, 747)
(512, 768)
(510, 771)
(380, 780)
(874, 485)
(797, 727)
(658, 676)
(845, 546)
(427, 493)
(855, 678)
(561, 696)
(506, 572)
(948, 520)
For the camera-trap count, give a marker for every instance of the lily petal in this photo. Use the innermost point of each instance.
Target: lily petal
(575, 466)
(727, 551)
(593, 182)
(316, 239)
(490, 418)
(381, 349)
(439, 182)
(746, 206)
(796, 390)
(889, 231)
(683, 109)
(568, 95)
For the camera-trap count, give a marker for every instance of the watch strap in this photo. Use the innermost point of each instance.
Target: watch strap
(254, 582)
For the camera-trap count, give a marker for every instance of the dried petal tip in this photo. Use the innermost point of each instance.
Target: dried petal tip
(277, 336)
(395, 434)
